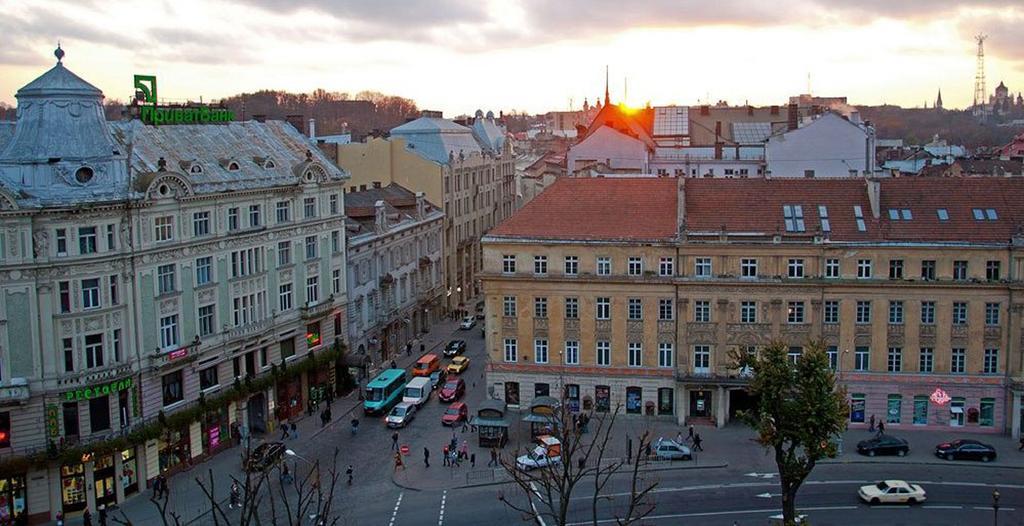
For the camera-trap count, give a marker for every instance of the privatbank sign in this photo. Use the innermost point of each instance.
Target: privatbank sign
(152, 113)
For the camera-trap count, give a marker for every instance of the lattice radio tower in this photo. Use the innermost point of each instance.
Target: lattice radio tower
(979, 75)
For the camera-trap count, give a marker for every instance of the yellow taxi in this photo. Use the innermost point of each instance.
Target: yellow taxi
(459, 364)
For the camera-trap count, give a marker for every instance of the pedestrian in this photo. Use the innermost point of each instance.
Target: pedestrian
(236, 493)
(284, 431)
(408, 349)
(464, 450)
(455, 458)
(325, 417)
(349, 473)
(423, 348)
(647, 450)
(60, 519)
(679, 437)
(446, 459)
(494, 457)
(881, 428)
(87, 518)
(690, 437)
(472, 460)
(1021, 446)
(465, 425)
(286, 474)
(103, 516)
(426, 457)
(697, 443)
(295, 431)
(398, 461)
(394, 365)
(394, 441)
(871, 424)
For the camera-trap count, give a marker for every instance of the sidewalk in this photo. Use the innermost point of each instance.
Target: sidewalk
(187, 499)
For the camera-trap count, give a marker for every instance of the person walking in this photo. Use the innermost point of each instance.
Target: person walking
(690, 436)
(455, 458)
(103, 516)
(236, 493)
(472, 460)
(494, 457)
(325, 417)
(446, 459)
(60, 519)
(284, 431)
(881, 428)
(348, 472)
(87, 518)
(423, 347)
(464, 449)
(679, 437)
(871, 424)
(394, 441)
(286, 474)
(394, 365)
(426, 457)
(398, 461)
(295, 431)
(697, 443)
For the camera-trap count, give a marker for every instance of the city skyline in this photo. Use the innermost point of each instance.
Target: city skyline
(505, 54)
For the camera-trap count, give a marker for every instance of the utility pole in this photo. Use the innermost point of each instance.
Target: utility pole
(979, 77)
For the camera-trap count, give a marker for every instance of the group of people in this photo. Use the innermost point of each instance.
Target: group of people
(692, 437)
(880, 428)
(87, 517)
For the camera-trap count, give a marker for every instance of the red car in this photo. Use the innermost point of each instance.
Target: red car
(457, 412)
(452, 390)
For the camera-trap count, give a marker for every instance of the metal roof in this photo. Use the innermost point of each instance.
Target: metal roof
(437, 139)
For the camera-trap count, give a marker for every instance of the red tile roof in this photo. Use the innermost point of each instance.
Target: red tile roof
(598, 209)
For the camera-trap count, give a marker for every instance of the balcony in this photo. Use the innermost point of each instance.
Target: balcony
(250, 329)
(183, 354)
(16, 393)
(317, 310)
(91, 376)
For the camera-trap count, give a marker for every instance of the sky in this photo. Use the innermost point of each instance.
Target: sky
(527, 55)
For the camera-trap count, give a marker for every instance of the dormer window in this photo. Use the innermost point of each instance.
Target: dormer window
(83, 175)
(233, 166)
(269, 165)
(196, 168)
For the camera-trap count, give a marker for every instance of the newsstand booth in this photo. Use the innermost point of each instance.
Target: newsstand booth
(542, 417)
(490, 424)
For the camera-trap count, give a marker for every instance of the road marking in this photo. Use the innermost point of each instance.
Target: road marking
(761, 475)
(397, 504)
(989, 508)
(941, 507)
(718, 513)
(768, 495)
(440, 518)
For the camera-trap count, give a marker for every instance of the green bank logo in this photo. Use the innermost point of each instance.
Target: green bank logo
(152, 113)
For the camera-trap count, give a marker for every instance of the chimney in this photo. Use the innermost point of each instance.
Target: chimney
(260, 118)
(875, 197)
(680, 204)
(312, 130)
(792, 120)
(775, 110)
(380, 216)
(750, 110)
(376, 184)
(297, 122)
(718, 139)
(421, 205)
(705, 110)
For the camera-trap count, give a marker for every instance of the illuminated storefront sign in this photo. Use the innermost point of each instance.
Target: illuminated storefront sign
(87, 393)
(151, 113)
(940, 397)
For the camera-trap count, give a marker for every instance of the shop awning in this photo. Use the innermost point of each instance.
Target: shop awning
(488, 422)
(540, 419)
(956, 410)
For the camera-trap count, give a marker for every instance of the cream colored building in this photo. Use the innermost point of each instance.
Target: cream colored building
(638, 291)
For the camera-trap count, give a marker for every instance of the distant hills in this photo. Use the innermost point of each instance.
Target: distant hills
(919, 126)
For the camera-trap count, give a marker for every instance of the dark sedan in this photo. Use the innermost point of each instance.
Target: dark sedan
(883, 445)
(965, 449)
(455, 347)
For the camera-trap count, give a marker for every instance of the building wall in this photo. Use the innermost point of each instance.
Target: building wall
(617, 150)
(829, 146)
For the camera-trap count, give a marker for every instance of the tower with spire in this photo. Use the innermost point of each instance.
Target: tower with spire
(938, 100)
(607, 100)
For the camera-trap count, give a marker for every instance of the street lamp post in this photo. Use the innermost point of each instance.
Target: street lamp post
(995, 507)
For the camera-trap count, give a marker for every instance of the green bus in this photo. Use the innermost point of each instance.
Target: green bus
(384, 391)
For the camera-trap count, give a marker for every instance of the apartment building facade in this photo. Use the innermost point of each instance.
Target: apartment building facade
(640, 293)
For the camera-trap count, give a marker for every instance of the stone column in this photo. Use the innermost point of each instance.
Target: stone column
(721, 407)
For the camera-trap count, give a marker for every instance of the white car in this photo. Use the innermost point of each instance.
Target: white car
(467, 323)
(401, 415)
(892, 491)
(540, 457)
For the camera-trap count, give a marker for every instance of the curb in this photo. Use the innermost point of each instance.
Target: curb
(947, 463)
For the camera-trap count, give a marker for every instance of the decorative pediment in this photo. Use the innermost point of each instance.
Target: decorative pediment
(7, 200)
(310, 172)
(165, 185)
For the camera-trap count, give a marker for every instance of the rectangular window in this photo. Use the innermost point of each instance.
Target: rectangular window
(247, 262)
(87, 240)
(895, 269)
(636, 309)
(666, 309)
(69, 412)
(702, 311)
(511, 351)
(832, 352)
(540, 307)
(540, 351)
(99, 414)
(312, 290)
(863, 269)
(114, 295)
(826, 225)
(164, 228)
(992, 270)
(284, 253)
(208, 378)
(926, 360)
(795, 312)
(509, 306)
(666, 266)
(310, 247)
(64, 293)
(896, 312)
(701, 359)
(67, 344)
(831, 312)
(893, 409)
(748, 268)
(796, 268)
(572, 265)
(284, 297)
(794, 217)
(604, 353)
(702, 267)
(636, 354)
(173, 387)
(111, 239)
(508, 264)
(832, 268)
(863, 312)
(958, 361)
(61, 241)
(93, 351)
(204, 270)
(283, 211)
(991, 364)
(233, 218)
(254, 216)
(987, 416)
(928, 270)
(927, 313)
(665, 353)
(572, 308)
(920, 410)
(169, 331)
(206, 322)
(603, 308)
(895, 359)
(858, 214)
(861, 358)
(115, 344)
(959, 313)
(91, 293)
(336, 281)
(991, 314)
(794, 353)
(165, 279)
(309, 207)
(636, 266)
(748, 312)
(540, 265)
(604, 266)
(572, 353)
(335, 242)
(960, 270)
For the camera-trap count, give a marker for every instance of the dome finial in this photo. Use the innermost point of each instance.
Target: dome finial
(59, 53)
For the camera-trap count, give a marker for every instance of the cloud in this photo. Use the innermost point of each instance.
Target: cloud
(392, 18)
(1005, 38)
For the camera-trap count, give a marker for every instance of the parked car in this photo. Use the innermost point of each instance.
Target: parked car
(891, 491)
(401, 415)
(437, 378)
(265, 456)
(883, 445)
(665, 449)
(455, 347)
(467, 323)
(547, 453)
(452, 390)
(458, 365)
(965, 449)
(457, 412)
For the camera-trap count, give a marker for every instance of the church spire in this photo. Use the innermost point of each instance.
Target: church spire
(606, 99)
(938, 100)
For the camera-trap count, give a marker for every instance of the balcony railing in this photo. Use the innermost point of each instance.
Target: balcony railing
(14, 394)
(319, 309)
(250, 329)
